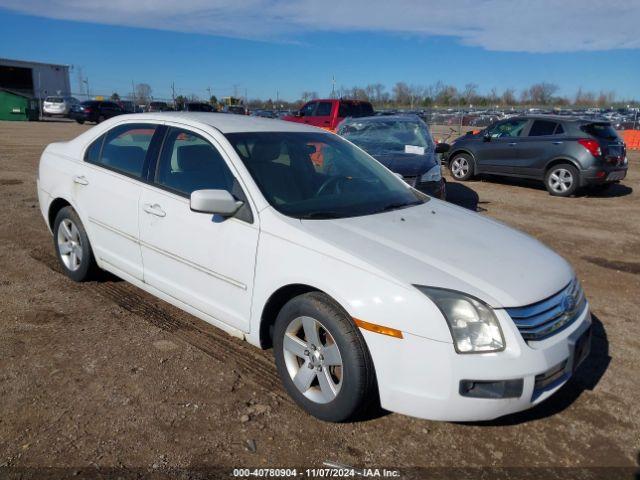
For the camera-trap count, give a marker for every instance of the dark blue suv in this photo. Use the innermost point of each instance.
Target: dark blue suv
(565, 153)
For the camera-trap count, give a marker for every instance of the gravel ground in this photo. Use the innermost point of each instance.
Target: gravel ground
(100, 378)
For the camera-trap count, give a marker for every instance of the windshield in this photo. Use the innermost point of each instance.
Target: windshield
(319, 175)
(388, 136)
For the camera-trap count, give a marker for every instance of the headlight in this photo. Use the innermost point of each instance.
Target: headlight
(433, 175)
(474, 327)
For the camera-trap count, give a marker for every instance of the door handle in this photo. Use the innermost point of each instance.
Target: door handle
(154, 209)
(80, 180)
(557, 143)
(513, 144)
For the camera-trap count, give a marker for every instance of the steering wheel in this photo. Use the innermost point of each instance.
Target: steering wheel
(331, 182)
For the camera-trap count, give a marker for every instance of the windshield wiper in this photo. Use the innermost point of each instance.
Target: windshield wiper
(321, 215)
(396, 206)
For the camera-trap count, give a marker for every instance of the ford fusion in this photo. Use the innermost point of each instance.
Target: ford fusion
(294, 239)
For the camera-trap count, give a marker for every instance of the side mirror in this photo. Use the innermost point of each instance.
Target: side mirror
(219, 202)
(442, 147)
(486, 137)
(298, 114)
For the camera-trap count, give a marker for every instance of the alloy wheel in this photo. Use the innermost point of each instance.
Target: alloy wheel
(313, 359)
(70, 244)
(460, 167)
(560, 180)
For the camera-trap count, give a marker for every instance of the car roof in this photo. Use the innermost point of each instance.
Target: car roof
(225, 122)
(561, 118)
(407, 117)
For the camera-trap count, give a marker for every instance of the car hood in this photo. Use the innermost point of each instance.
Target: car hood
(442, 245)
(406, 164)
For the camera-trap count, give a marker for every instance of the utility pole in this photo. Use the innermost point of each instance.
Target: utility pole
(173, 94)
(133, 95)
(209, 92)
(333, 86)
(86, 81)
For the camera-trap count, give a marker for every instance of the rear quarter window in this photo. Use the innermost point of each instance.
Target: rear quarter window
(600, 130)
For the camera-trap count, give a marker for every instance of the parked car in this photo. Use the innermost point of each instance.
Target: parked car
(365, 288)
(198, 107)
(403, 144)
(328, 113)
(235, 109)
(95, 111)
(565, 153)
(58, 106)
(128, 106)
(158, 107)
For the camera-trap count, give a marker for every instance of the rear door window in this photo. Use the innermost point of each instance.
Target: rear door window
(324, 109)
(542, 128)
(125, 148)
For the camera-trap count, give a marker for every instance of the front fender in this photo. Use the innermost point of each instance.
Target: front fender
(364, 294)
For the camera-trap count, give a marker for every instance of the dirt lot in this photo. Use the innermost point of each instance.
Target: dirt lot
(101, 375)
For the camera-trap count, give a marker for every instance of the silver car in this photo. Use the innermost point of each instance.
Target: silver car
(58, 106)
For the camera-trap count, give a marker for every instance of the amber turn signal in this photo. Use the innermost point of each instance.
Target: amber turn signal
(372, 327)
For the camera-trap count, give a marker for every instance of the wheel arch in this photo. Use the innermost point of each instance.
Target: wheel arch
(274, 304)
(560, 160)
(458, 151)
(54, 207)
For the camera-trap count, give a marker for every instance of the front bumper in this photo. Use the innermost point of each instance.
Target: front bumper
(422, 377)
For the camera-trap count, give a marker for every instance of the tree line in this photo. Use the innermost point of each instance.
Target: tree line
(440, 94)
(436, 95)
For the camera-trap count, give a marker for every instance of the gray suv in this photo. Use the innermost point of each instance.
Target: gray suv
(565, 153)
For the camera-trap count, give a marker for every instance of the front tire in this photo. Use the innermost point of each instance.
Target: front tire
(462, 167)
(322, 359)
(80, 121)
(562, 180)
(72, 246)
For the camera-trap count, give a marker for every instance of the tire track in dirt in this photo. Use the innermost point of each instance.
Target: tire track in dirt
(251, 364)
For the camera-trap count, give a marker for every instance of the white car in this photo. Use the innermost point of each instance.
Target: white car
(58, 106)
(291, 237)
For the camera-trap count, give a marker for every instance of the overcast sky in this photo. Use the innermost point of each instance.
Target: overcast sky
(495, 43)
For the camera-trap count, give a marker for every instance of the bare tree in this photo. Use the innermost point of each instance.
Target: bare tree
(143, 93)
(306, 96)
(509, 97)
(542, 93)
(401, 93)
(469, 93)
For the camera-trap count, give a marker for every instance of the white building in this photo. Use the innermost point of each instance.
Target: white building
(34, 78)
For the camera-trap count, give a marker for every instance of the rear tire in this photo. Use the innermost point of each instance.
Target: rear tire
(72, 246)
(322, 359)
(462, 167)
(100, 119)
(562, 180)
(80, 121)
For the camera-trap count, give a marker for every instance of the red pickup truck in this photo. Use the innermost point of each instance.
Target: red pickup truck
(328, 113)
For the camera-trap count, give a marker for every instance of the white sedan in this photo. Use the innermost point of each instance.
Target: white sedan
(291, 237)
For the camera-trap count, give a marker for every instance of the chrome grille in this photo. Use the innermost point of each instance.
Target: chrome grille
(545, 318)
